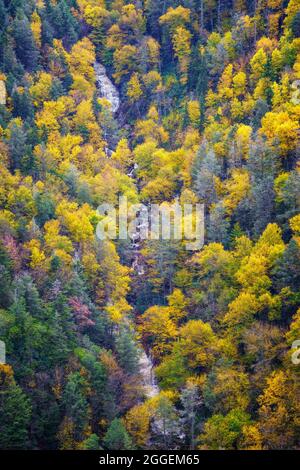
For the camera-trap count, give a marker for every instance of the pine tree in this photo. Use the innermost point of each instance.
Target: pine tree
(91, 443)
(75, 403)
(116, 437)
(127, 351)
(25, 47)
(15, 412)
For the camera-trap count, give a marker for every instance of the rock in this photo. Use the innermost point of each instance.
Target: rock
(2, 92)
(146, 371)
(2, 352)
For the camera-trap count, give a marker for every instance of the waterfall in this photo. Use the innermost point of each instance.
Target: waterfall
(108, 90)
(146, 370)
(106, 87)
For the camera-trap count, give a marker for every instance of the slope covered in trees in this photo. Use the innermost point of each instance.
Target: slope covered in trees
(209, 112)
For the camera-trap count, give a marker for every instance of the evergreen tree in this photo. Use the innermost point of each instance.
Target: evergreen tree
(18, 147)
(127, 351)
(206, 168)
(117, 437)
(218, 225)
(91, 443)
(25, 47)
(15, 412)
(286, 271)
(5, 277)
(75, 403)
(23, 106)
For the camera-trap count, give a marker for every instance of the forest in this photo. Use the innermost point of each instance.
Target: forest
(207, 109)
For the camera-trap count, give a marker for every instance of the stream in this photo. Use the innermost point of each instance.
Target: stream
(107, 89)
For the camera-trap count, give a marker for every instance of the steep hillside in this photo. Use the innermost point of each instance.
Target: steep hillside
(205, 110)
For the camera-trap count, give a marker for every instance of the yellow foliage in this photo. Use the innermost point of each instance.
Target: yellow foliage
(278, 410)
(53, 239)
(84, 114)
(239, 83)
(153, 80)
(277, 60)
(181, 40)
(41, 90)
(160, 188)
(37, 255)
(7, 219)
(294, 332)
(114, 38)
(64, 148)
(153, 51)
(242, 137)
(118, 311)
(6, 375)
(52, 114)
(132, 18)
(90, 265)
(81, 60)
(124, 61)
(76, 220)
(95, 15)
(225, 83)
(295, 223)
(151, 130)
(198, 343)
(291, 10)
(279, 185)
(175, 17)
(241, 310)
(266, 44)
(252, 439)
(273, 20)
(252, 274)
(237, 188)
(122, 155)
(115, 277)
(177, 305)
(295, 226)
(258, 64)
(237, 110)
(280, 128)
(36, 28)
(134, 90)
(237, 382)
(296, 67)
(137, 422)
(260, 90)
(21, 202)
(270, 243)
(194, 111)
(157, 326)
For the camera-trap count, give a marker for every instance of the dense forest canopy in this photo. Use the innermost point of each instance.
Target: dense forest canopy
(209, 113)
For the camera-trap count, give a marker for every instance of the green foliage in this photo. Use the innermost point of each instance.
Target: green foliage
(117, 437)
(91, 443)
(15, 412)
(223, 432)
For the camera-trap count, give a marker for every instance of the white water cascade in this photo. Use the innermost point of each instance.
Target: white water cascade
(106, 87)
(146, 370)
(108, 90)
